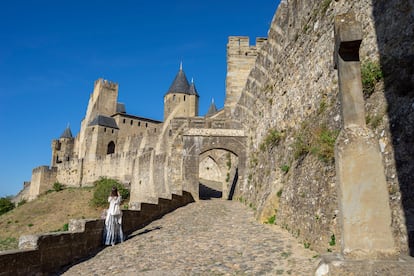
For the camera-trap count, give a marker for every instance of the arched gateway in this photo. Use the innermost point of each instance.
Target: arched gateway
(199, 141)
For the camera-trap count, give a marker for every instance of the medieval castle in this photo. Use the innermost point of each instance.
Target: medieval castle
(142, 153)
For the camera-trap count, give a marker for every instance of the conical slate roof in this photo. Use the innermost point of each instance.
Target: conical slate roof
(212, 109)
(192, 90)
(180, 84)
(67, 133)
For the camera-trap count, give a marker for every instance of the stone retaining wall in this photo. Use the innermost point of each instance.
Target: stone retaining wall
(44, 254)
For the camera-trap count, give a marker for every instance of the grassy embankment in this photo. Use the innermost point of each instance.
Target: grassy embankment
(50, 212)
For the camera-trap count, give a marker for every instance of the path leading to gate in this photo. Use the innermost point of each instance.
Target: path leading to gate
(209, 237)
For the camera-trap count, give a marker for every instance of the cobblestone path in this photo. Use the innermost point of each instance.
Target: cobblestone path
(209, 237)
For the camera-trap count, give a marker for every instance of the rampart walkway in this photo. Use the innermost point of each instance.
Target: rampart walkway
(209, 237)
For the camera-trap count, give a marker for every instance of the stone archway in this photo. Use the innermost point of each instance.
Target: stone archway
(217, 169)
(198, 142)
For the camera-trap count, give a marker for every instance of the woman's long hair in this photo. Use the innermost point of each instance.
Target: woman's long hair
(114, 191)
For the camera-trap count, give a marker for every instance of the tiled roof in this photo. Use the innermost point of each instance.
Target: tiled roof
(101, 120)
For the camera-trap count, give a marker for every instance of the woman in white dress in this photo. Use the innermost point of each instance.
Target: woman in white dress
(113, 221)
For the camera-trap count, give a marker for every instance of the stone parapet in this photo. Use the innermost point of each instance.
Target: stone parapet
(48, 253)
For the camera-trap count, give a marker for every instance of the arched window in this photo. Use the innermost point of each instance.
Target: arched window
(111, 148)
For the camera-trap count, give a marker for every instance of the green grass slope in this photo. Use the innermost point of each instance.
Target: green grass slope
(48, 213)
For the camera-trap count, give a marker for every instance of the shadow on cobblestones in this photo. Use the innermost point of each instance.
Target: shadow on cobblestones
(143, 232)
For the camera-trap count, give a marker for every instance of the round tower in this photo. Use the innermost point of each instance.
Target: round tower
(181, 99)
(62, 148)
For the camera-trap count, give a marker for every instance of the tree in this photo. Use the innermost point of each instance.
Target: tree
(5, 205)
(103, 189)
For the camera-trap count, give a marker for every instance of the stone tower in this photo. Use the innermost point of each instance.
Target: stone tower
(241, 58)
(102, 102)
(62, 148)
(181, 99)
(101, 137)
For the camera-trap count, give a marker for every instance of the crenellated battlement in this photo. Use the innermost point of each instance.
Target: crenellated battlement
(44, 169)
(241, 57)
(106, 84)
(240, 46)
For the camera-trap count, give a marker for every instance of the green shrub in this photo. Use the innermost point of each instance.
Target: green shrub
(319, 141)
(6, 205)
(103, 190)
(300, 146)
(332, 242)
(279, 193)
(371, 73)
(325, 144)
(285, 168)
(65, 227)
(57, 187)
(21, 202)
(271, 220)
(271, 140)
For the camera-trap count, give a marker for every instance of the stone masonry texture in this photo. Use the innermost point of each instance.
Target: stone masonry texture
(292, 91)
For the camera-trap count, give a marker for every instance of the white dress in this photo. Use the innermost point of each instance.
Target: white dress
(113, 222)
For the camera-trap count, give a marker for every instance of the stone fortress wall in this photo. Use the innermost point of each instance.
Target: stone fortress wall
(293, 90)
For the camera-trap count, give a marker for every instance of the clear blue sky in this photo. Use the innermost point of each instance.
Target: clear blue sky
(51, 52)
